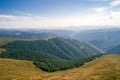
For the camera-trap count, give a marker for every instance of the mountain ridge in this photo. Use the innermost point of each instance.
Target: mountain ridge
(50, 54)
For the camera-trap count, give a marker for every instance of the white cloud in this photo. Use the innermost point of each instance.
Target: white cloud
(100, 9)
(109, 16)
(115, 15)
(7, 16)
(111, 3)
(114, 3)
(10, 21)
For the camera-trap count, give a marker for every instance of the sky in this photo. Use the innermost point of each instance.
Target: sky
(59, 13)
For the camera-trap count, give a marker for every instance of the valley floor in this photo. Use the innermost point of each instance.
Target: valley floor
(104, 68)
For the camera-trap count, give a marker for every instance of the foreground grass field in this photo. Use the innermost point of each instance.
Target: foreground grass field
(104, 68)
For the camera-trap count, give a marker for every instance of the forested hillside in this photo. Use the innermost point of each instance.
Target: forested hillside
(50, 54)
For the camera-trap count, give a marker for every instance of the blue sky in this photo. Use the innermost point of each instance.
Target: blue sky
(45, 7)
(58, 13)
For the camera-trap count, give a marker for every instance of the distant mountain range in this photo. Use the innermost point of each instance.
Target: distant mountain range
(34, 34)
(105, 39)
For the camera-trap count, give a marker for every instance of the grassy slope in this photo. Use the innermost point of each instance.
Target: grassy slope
(17, 69)
(104, 68)
(6, 40)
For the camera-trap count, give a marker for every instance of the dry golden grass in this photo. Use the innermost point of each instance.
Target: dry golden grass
(6, 40)
(2, 50)
(46, 39)
(104, 68)
(11, 69)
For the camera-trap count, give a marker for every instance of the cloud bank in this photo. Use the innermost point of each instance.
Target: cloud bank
(101, 16)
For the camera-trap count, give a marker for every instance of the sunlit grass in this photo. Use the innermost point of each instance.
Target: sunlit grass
(6, 40)
(104, 68)
(2, 50)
